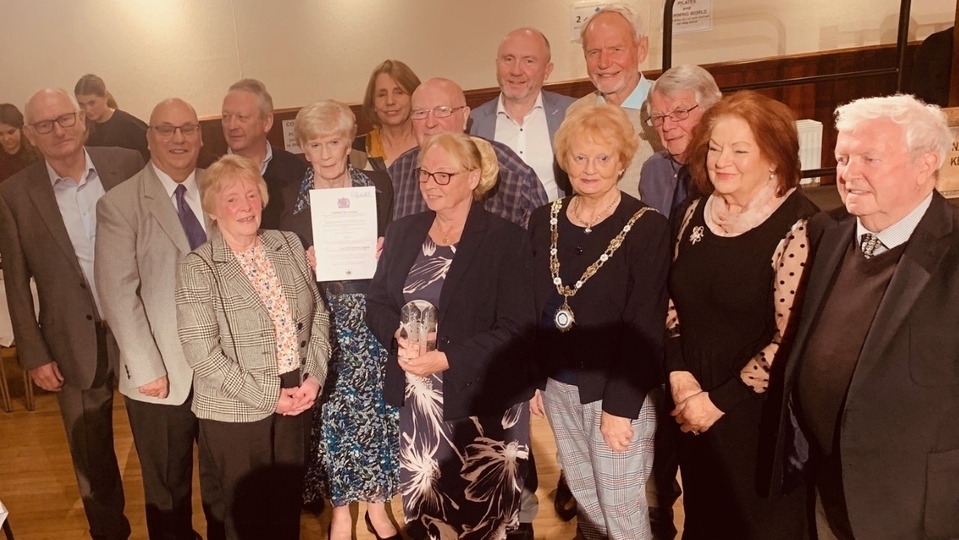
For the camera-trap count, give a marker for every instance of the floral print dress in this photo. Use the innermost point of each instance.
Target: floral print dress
(461, 478)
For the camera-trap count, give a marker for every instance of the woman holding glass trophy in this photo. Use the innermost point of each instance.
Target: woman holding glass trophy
(453, 296)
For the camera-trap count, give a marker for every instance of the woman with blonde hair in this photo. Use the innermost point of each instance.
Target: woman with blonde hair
(464, 420)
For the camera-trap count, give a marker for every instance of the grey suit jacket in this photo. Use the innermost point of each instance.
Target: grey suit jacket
(35, 244)
(483, 118)
(649, 143)
(227, 335)
(139, 242)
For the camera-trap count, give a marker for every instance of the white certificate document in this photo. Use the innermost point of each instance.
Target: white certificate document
(344, 232)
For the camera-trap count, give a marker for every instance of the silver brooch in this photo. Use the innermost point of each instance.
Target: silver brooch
(697, 234)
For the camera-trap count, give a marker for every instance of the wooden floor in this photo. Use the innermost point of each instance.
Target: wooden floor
(38, 487)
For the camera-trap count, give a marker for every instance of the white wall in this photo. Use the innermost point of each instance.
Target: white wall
(304, 50)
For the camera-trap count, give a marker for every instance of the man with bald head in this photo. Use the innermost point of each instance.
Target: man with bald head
(524, 116)
(439, 106)
(615, 44)
(48, 233)
(144, 227)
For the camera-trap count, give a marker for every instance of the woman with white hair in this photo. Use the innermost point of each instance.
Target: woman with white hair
(355, 442)
(677, 101)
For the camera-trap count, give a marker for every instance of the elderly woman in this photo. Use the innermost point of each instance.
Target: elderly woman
(729, 323)
(355, 443)
(600, 260)
(464, 421)
(254, 329)
(108, 125)
(16, 152)
(677, 101)
(386, 106)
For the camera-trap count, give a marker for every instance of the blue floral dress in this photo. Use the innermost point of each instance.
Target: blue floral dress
(462, 478)
(354, 452)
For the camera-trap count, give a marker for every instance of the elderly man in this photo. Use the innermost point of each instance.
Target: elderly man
(677, 101)
(48, 233)
(247, 119)
(524, 117)
(873, 378)
(615, 44)
(144, 227)
(439, 106)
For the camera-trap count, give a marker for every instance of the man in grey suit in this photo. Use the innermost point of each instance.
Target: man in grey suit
(48, 233)
(144, 227)
(524, 117)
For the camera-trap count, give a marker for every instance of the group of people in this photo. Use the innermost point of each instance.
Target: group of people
(639, 265)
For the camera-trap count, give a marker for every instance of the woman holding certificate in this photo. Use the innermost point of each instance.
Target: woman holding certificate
(464, 419)
(601, 259)
(355, 433)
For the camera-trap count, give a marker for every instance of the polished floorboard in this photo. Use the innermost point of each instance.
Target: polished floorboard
(39, 489)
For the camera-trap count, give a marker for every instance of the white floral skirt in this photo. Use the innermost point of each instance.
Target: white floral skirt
(460, 479)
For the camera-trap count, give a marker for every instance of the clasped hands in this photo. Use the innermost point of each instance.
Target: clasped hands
(294, 401)
(694, 412)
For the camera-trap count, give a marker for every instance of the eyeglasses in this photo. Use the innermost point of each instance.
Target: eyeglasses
(167, 130)
(441, 178)
(657, 120)
(65, 120)
(438, 112)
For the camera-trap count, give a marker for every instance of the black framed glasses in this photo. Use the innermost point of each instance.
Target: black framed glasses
(65, 120)
(168, 130)
(438, 112)
(676, 115)
(441, 178)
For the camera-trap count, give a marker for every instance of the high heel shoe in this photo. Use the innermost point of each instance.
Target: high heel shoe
(372, 529)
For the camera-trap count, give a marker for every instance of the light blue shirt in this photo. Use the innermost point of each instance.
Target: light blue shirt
(637, 97)
(77, 201)
(266, 160)
(897, 233)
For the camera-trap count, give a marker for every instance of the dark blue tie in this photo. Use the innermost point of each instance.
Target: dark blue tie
(191, 226)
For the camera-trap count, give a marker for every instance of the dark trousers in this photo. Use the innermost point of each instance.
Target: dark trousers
(164, 437)
(662, 489)
(258, 470)
(88, 419)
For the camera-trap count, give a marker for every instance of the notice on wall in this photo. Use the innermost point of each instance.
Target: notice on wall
(579, 14)
(948, 182)
(692, 16)
(289, 138)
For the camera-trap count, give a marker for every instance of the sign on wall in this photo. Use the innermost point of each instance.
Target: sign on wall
(948, 182)
(289, 138)
(692, 16)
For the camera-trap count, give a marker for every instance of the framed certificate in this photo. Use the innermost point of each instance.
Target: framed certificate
(344, 232)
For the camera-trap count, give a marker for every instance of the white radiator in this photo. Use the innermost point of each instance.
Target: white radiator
(810, 146)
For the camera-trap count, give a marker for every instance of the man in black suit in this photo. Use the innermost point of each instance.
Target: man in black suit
(873, 378)
(47, 232)
(247, 119)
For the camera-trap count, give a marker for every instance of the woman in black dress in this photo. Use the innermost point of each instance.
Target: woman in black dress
(106, 124)
(739, 260)
(16, 152)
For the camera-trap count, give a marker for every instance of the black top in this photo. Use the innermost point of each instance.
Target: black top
(933, 68)
(11, 164)
(123, 130)
(285, 169)
(486, 312)
(615, 346)
(722, 288)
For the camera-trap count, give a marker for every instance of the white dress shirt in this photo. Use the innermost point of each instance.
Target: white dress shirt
(897, 233)
(192, 195)
(529, 138)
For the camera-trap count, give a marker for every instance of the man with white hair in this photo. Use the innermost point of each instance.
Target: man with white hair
(873, 378)
(615, 44)
(47, 233)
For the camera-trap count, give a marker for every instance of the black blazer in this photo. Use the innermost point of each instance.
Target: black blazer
(486, 313)
(284, 169)
(899, 427)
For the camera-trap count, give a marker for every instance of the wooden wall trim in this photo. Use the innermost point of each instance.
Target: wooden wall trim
(816, 101)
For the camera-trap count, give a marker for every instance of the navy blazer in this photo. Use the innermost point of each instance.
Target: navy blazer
(899, 425)
(486, 312)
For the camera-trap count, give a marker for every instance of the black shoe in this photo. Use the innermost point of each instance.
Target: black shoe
(564, 503)
(369, 527)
